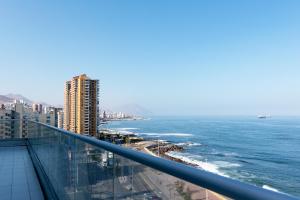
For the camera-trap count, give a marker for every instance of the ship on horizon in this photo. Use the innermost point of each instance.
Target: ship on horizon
(263, 116)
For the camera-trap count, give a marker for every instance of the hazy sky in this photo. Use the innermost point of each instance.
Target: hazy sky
(172, 57)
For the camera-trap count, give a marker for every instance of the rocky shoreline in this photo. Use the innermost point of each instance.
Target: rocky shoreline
(165, 148)
(161, 149)
(153, 147)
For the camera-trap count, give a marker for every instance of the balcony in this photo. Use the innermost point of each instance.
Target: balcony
(51, 163)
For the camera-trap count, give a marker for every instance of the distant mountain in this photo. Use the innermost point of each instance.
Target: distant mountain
(4, 99)
(133, 109)
(9, 98)
(19, 97)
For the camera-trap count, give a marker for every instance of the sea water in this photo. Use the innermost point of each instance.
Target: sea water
(263, 152)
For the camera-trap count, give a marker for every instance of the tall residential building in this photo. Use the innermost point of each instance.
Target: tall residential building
(81, 106)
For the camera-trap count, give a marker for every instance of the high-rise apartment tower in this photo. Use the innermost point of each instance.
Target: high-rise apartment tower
(81, 105)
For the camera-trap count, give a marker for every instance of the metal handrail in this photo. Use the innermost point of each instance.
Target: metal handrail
(228, 187)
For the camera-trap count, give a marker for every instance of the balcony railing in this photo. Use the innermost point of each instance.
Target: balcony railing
(73, 166)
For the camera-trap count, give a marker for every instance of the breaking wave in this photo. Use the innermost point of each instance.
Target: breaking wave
(125, 132)
(210, 167)
(224, 164)
(168, 134)
(126, 129)
(190, 144)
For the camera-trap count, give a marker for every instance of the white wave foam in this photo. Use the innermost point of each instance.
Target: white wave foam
(168, 134)
(230, 154)
(188, 144)
(224, 164)
(210, 167)
(126, 129)
(162, 141)
(125, 132)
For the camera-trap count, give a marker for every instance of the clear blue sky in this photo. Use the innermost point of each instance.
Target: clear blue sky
(172, 57)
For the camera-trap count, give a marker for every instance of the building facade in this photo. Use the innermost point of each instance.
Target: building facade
(37, 108)
(81, 105)
(60, 119)
(9, 126)
(25, 113)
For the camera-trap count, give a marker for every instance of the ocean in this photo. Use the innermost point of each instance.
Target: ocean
(263, 152)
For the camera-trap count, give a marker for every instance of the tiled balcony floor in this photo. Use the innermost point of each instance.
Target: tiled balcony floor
(18, 179)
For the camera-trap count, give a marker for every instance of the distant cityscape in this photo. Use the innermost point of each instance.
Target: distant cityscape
(81, 112)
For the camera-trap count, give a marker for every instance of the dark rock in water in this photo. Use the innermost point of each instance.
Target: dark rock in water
(165, 148)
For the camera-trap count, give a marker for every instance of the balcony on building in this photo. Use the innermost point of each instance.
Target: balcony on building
(51, 163)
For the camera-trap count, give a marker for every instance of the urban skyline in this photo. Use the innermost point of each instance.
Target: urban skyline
(173, 58)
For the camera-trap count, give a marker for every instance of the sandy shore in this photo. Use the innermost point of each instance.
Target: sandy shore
(178, 188)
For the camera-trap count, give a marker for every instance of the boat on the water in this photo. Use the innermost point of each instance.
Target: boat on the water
(263, 116)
